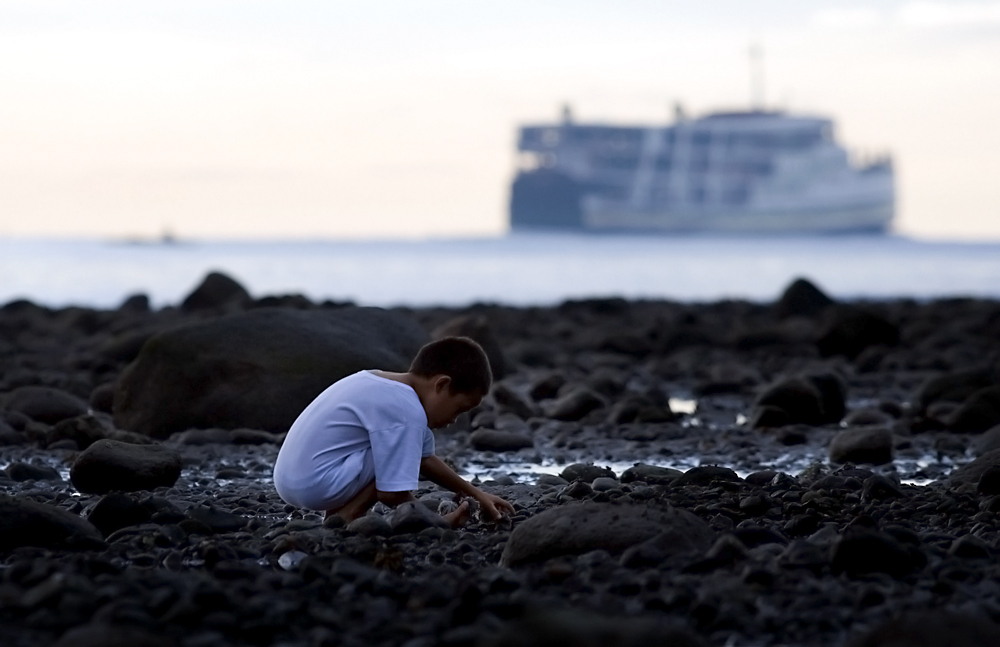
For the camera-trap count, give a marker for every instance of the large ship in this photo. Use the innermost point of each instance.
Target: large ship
(755, 171)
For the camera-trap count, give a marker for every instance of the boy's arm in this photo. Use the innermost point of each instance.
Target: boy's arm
(436, 470)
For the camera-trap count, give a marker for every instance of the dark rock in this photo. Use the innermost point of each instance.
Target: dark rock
(116, 511)
(978, 412)
(880, 488)
(102, 398)
(604, 484)
(574, 405)
(585, 472)
(29, 472)
(811, 399)
(507, 397)
(989, 482)
(955, 387)
(761, 478)
(650, 474)
(577, 628)
(987, 441)
(801, 299)
(125, 347)
(705, 475)
(106, 635)
(972, 472)
(216, 520)
(253, 437)
(201, 437)
(547, 387)
(216, 292)
(769, 416)
(931, 628)
(9, 436)
(867, 418)
(370, 525)
(414, 516)
(577, 528)
(86, 430)
(862, 445)
(477, 328)
(638, 410)
(112, 465)
(551, 480)
(257, 369)
(836, 482)
(499, 441)
(578, 490)
(135, 303)
(970, 547)
(753, 536)
(44, 404)
(852, 330)
(869, 551)
(27, 523)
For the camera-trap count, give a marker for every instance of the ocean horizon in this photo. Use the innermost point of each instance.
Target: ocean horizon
(515, 269)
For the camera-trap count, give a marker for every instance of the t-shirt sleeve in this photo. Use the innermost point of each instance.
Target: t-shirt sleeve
(428, 449)
(396, 452)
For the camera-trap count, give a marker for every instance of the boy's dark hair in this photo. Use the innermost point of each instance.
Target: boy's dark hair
(461, 359)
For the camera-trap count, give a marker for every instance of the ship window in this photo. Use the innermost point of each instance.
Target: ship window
(701, 139)
(697, 194)
(550, 137)
(664, 163)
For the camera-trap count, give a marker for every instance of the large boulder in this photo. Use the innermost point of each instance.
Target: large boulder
(955, 387)
(579, 528)
(257, 369)
(26, 523)
(801, 299)
(216, 292)
(44, 404)
(978, 412)
(810, 399)
(112, 465)
(972, 472)
(852, 330)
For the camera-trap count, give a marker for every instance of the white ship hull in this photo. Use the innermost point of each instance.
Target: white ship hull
(847, 219)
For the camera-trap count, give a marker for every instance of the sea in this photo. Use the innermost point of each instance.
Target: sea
(515, 269)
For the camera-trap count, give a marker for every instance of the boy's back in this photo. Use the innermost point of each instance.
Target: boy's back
(363, 427)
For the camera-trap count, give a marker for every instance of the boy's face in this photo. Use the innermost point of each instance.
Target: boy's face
(444, 406)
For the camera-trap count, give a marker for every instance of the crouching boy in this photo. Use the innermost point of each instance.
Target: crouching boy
(368, 437)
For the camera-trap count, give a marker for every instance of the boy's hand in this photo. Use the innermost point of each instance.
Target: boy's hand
(493, 504)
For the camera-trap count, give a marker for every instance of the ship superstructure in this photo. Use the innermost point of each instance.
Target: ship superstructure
(754, 171)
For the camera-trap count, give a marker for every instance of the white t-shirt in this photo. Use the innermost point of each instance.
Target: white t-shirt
(363, 427)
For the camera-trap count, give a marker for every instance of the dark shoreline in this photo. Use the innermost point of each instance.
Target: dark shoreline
(214, 557)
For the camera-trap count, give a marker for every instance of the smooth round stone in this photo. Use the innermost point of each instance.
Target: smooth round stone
(604, 483)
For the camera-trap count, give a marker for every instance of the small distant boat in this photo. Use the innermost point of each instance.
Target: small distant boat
(757, 171)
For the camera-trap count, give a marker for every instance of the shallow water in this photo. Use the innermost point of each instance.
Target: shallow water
(517, 269)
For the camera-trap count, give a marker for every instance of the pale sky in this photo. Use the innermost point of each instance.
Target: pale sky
(397, 118)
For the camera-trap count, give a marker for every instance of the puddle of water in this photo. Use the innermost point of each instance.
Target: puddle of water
(910, 471)
(683, 405)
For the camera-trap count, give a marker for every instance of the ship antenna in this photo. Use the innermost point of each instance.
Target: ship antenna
(756, 77)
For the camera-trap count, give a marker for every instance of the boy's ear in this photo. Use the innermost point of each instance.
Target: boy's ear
(442, 382)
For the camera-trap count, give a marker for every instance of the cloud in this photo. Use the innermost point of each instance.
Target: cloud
(941, 14)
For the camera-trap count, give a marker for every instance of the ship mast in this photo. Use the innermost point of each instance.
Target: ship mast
(756, 77)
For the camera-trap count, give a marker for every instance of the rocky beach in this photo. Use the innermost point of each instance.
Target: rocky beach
(798, 472)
